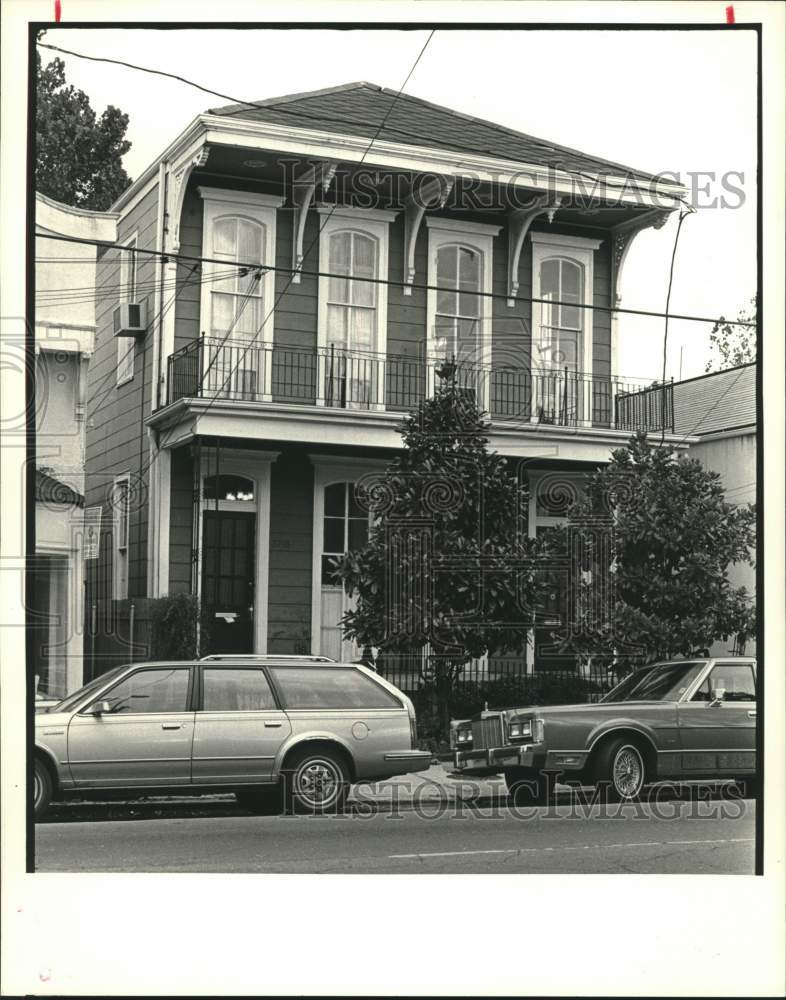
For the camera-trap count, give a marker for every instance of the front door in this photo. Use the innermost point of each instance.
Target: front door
(229, 547)
(239, 729)
(720, 736)
(142, 739)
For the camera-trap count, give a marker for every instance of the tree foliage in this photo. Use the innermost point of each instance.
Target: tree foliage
(448, 563)
(78, 155)
(733, 345)
(659, 528)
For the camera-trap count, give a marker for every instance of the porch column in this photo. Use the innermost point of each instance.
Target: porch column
(261, 609)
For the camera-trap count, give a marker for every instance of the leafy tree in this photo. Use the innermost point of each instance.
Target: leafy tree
(78, 156)
(733, 345)
(658, 528)
(446, 509)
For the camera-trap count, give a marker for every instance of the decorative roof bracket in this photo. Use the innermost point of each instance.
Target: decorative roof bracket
(433, 193)
(519, 222)
(176, 193)
(622, 237)
(303, 190)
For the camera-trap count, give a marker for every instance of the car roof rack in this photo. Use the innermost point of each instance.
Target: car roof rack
(267, 656)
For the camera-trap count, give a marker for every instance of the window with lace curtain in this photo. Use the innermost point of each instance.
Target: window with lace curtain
(237, 293)
(352, 330)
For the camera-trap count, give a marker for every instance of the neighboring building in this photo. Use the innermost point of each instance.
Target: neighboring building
(249, 401)
(64, 334)
(720, 410)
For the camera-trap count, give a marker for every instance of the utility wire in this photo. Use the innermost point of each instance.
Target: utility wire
(394, 283)
(683, 215)
(280, 108)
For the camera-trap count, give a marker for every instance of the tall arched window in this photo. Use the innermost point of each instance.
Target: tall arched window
(236, 301)
(351, 320)
(351, 310)
(562, 286)
(458, 304)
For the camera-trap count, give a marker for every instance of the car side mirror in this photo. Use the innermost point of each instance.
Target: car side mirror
(101, 708)
(717, 695)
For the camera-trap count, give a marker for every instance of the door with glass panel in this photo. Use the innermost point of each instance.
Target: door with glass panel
(139, 732)
(559, 390)
(719, 733)
(349, 366)
(344, 529)
(457, 333)
(235, 362)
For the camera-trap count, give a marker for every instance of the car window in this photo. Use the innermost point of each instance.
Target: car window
(323, 687)
(665, 682)
(164, 689)
(235, 690)
(736, 678)
(622, 690)
(97, 682)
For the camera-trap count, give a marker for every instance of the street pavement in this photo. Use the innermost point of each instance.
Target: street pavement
(427, 823)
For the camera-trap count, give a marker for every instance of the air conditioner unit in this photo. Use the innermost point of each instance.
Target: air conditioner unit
(130, 319)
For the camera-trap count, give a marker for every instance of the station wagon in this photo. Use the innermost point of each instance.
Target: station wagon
(278, 732)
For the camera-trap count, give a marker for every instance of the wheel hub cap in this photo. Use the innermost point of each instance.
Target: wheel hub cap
(628, 771)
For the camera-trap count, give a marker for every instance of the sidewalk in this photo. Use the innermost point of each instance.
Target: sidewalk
(406, 791)
(438, 783)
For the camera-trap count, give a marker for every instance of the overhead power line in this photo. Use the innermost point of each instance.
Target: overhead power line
(387, 281)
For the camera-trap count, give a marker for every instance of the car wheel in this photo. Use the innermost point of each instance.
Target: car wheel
(316, 782)
(529, 787)
(261, 800)
(42, 788)
(621, 771)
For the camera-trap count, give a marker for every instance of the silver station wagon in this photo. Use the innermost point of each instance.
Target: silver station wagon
(685, 720)
(279, 732)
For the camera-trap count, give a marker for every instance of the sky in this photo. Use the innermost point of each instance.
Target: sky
(674, 101)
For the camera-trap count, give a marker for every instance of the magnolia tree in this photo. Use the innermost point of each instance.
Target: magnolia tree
(653, 538)
(448, 571)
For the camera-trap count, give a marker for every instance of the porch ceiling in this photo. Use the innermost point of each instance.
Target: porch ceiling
(181, 422)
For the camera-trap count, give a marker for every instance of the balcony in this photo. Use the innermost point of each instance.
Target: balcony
(333, 378)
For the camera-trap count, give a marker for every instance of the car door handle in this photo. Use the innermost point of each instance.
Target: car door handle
(752, 713)
(273, 725)
(171, 725)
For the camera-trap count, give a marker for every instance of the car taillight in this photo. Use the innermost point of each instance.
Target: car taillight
(413, 732)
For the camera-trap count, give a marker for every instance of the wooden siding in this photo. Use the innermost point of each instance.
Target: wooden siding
(181, 521)
(116, 439)
(291, 529)
(296, 305)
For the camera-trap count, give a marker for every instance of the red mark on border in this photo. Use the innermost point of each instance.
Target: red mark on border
(729, 14)
(58, 11)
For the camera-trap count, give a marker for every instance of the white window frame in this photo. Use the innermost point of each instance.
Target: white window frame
(477, 236)
(220, 203)
(578, 250)
(375, 224)
(121, 560)
(126, 346)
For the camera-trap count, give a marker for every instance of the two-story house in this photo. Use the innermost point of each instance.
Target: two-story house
(302, 266)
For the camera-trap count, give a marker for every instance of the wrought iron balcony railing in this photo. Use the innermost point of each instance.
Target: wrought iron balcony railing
(355, 380)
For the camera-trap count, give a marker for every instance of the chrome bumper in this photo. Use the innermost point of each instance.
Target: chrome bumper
(517, 755)
(409, 760)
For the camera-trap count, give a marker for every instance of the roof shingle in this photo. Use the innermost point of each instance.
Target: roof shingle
(367, 110)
